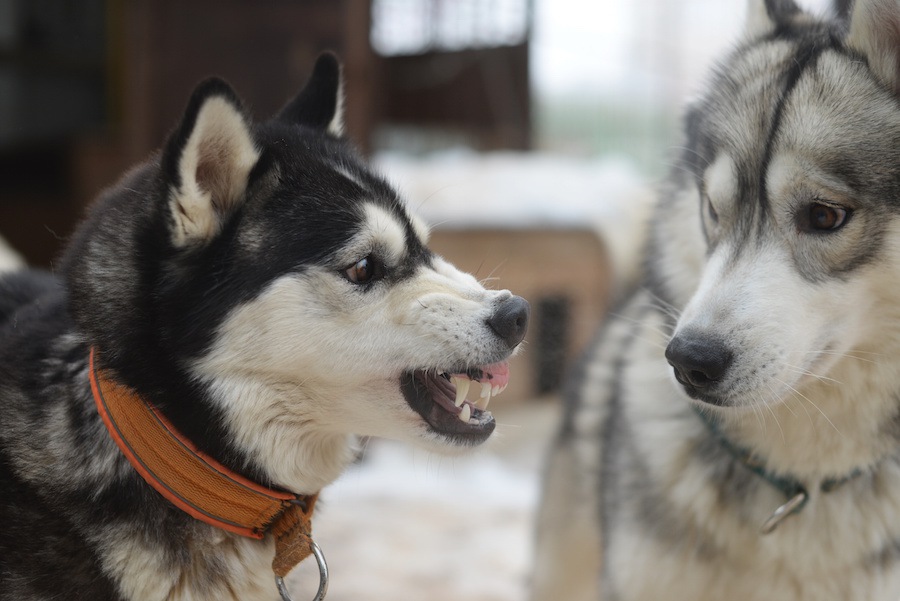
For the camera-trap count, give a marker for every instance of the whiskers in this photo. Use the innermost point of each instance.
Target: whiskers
(760, 404)
(858, 355)
(665, 328)
(679, 164)
(805, 372)
(799, 395)
(663, 306)
(791, 392)
(490, 278)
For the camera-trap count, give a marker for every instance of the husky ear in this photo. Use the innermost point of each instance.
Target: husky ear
(320, 103)
(875, 32)
(765, 16)
(207, 162)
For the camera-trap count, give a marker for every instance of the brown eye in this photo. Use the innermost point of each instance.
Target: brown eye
(365, 270)
(821, 217)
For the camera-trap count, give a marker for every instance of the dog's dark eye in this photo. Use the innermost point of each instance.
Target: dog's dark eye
(364, 271)
(822, 218)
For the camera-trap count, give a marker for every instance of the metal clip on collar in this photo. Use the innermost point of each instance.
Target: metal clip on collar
(793, 505)
(323, 578)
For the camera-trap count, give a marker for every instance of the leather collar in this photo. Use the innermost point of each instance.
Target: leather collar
(196, 483)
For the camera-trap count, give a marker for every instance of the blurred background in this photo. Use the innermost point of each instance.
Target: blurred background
(529, 133)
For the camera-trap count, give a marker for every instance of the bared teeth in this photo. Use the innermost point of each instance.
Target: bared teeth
(462, 389)
(464, 385)
(485, 396)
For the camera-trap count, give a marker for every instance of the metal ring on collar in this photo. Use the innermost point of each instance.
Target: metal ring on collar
(323, 578)
(793, 505)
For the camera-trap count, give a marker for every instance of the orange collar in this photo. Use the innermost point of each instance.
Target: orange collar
(197, 483)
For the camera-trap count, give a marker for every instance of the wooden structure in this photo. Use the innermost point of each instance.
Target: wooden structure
(108, 107)
(566, 275)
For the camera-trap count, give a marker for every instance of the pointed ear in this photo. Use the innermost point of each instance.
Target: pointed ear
(875, 32)
(765, 16)
(207, 163)
(320, 103)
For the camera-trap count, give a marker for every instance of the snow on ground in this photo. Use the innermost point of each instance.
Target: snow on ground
(406, 525)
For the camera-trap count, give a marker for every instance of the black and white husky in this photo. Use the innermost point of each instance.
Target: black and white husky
(272, 298)
(734, 434)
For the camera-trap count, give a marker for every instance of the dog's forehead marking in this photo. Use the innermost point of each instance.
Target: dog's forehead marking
(816, 114)
(721, 180)
(749, 119)
(784, 171)
(383, 229)
(741, 106)
(421, 229)
(348, 173)
(806, 58)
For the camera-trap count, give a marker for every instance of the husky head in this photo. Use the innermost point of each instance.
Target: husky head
(274, 297)
(778, 245)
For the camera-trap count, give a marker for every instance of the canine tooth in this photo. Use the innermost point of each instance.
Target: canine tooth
(465, 414)
(462, 389)
(482, 403)
(485, 390)
(495, 390)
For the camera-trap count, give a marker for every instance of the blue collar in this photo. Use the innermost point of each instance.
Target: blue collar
(794, 490)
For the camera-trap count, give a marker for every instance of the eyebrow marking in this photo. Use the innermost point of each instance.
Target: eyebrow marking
(806, 57)
(382, 229)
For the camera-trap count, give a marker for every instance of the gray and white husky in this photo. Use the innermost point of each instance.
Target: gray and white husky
(272, 298)
(734, 433)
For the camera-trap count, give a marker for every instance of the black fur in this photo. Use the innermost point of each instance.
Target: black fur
(212, 87)
(317, 105)
(150, 307)
(20, 289)
(157, 325)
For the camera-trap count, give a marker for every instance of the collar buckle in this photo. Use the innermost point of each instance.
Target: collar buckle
(794, 505)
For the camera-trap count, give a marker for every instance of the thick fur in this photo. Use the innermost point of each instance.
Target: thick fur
(271, 296)
(771, 306)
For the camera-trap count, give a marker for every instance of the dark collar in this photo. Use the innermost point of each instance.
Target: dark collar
(794, 491)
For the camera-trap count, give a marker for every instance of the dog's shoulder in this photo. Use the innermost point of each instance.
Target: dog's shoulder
(40, 547)
(44, 434)
(18, 289)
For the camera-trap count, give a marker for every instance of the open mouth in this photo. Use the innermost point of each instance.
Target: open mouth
(442, 398)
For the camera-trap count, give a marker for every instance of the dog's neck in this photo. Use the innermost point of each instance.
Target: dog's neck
(796, 492)
(199, 485)
(272, 427)
(188, 478)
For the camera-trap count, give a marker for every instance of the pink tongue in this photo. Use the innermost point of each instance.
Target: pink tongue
(496, 374)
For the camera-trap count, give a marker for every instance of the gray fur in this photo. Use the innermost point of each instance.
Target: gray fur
(778, 237)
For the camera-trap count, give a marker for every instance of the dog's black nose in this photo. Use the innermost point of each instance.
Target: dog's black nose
(510, 320)
(699, 360)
